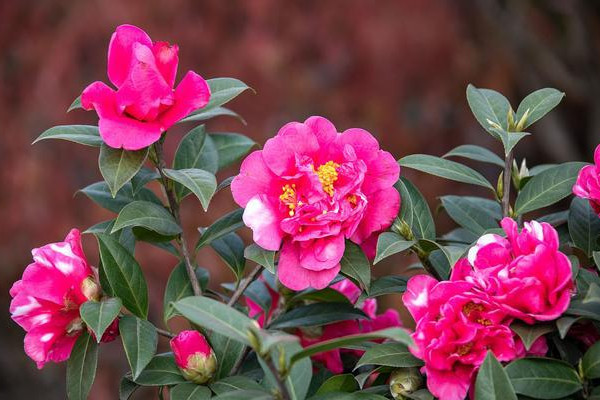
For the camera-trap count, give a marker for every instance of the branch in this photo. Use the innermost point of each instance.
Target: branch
(165, 333)
(244, 285)
(508, 161)
(283, 391)
(174, 206)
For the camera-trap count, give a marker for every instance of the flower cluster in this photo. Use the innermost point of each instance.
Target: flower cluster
(587, 185)
(309, 190)
(523, 276)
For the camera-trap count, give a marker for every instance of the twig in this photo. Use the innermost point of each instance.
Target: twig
(506, 183)
(174, 206)
(244, 285)
(165, 333)
(283, 391)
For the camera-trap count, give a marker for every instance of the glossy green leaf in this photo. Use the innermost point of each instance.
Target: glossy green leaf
(445, 169)
(223, 90)
(492, 381)
(81, 367)
(263, 257)
(389, 354)
(339, 383)
(391, 284)
(509, 139)
(124, 275)
(590, 363)
(489, 107)
(475, 214)
(234, 383)
(298, 380)
(530, 333)
(75, 104)
(227, 351)
(538, 104)
(216, 316)
(100, 194)
(160, 371)
(189, 391)
(196, 150)
(415, 211)
(126, 388)
(118, 166)
(204, 114)
(543, 378)
(143, 176)
(231, 250)
(178, 287)
(231, 147)
(98, 315)
(389, 243)
(317, 314)
(548, 187)
(202, 183)
(83, 134)
(221, 227)
(139, 339)
(147, 215)
(355, 265)
(477, 153)
(584, 226)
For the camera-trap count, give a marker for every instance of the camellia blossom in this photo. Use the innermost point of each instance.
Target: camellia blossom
(332, 359)
(46, 300)
(587, 185)
(145, 103)
(309, 189)
(455, 327)
(524, 273)
(194, 356)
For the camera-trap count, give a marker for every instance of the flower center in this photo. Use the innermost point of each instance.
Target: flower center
(464, 349)
(288, 197)
(327, 176)
(470, 307)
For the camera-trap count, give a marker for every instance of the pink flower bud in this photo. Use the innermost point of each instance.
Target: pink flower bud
(194, 356)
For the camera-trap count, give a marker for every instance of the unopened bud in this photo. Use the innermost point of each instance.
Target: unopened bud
(522, 121)
(510, 119)
(405, 381)
(90, 289)
(500, 186)
(401, 227)
(194, 356)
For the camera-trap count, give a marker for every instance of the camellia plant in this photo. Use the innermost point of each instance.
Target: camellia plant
(505, 306)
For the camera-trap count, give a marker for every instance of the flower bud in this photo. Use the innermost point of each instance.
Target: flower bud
(90, 289)
(194, 356)
(404, 381)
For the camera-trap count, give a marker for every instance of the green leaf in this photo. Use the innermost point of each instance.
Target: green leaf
(233, 383)
(99, 193)
(300, 375)
(231, 250)
(489, 107)
(196, 150)
(389, 354)
(143, 176)
(388, 285)
(317, 314)
(396, 334)
(339, 383)
(139, 339)
(389, 243)
(118, 166)
(160, 371)
(445, 169)
(263, 257)
(231, 147)
(355, 265)
(204, 114)
(202, 183)
(126, 388)
(530, 333)
(75, 104)
(415, 211)
(124, 275)
(543, 378)
(584, 225)
(147, 215)
(223, 90)
(477, 153)
(189, 391)
(509, 139)
(590, 363)
(81, 367)
(221, 227)
(178, 287)
(475, 214)
(548, 187)
(227, 351)
(538, 104)
(98, 315)
(216, 316)
(83, 134)
(492, 381)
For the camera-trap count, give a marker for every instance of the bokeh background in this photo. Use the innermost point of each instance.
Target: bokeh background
(398, 68)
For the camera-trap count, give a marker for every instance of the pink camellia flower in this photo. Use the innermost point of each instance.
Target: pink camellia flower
(539, 348)
(46, 300)
(257, 312)
(309, 189)
(332, 359)
(455, 327)
(194, 356)
(587, 185)
(524, 273)
(145, 103)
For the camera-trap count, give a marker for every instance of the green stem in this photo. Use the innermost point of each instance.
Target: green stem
(506, 183)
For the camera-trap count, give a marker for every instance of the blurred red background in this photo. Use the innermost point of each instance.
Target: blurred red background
(396, 68)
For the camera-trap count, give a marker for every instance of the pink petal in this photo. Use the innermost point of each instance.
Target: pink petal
(167, 60)
(118, 130)
(449, 385)
(293, 140)
(120, 51)
(254, 178)
(262, 217)
(322, 254)
(323, 129)
(364, 144)
(382, 209)
(293, 276)
(382, 173)
(416, 297)
(191, 94)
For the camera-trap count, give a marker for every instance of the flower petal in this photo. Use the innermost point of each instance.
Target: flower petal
(191, 94)
(262, 218)
(292, 275)
(120, 51)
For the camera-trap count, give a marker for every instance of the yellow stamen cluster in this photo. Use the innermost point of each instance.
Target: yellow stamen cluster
(470, 307)
(288, 197)
(328, 175)
(464, 349)
(352, 199)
